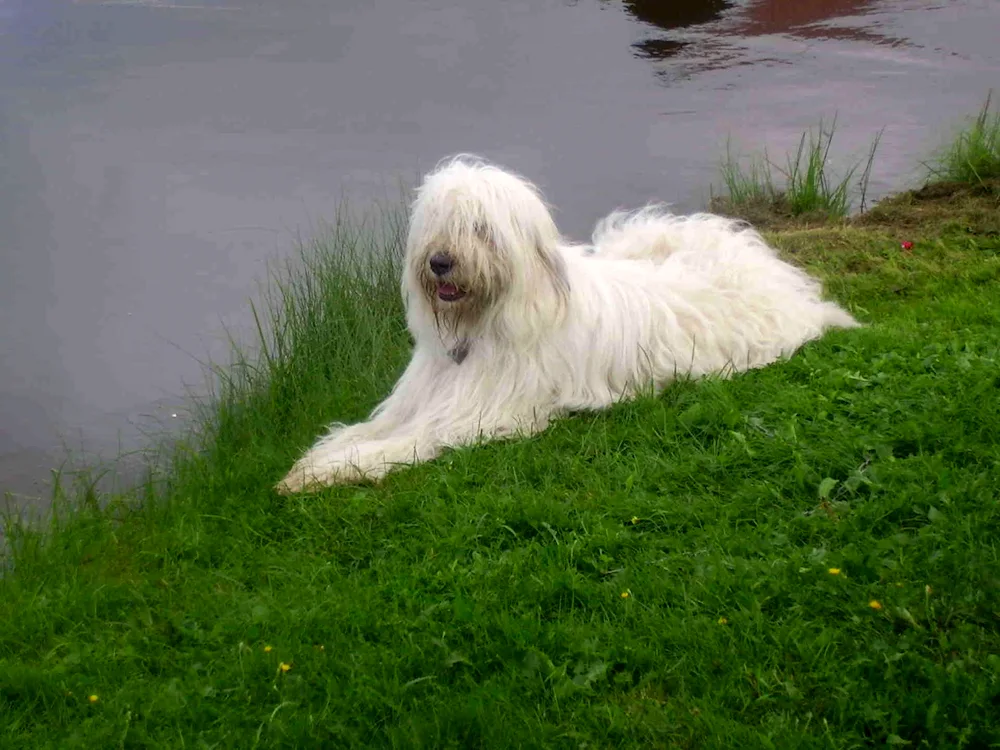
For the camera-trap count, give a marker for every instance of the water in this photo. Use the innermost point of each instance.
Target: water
(155, 155)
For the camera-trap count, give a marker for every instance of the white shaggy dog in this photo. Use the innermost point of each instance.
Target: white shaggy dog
(514, 326)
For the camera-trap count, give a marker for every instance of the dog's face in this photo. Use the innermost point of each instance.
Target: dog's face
(461, 273)
(481, 244)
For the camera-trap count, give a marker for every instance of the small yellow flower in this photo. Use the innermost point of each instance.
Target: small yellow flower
(625, 595)
(875, 604)
(267, 649)
(635, 520)
(284, 666)
(93, 699)
(834, 571)
(723, 621)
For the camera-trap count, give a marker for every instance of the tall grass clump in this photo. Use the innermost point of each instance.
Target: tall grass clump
(749, 186)
(807, 187)
(330, 332)
(328, 337)
(973, 156)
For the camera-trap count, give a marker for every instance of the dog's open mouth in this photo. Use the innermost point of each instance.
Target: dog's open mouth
(449, 292)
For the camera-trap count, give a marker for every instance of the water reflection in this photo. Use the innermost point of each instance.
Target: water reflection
(717, 34)
(669, 16)
(810, 19)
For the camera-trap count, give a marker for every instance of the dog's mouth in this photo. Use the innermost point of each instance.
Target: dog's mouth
(449, 292)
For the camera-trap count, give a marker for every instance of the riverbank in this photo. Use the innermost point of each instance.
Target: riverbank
(800, 556)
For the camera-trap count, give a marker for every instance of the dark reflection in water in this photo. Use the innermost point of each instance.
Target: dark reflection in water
(809, 19)
(669, 16)
(693, 37)
(676, 15)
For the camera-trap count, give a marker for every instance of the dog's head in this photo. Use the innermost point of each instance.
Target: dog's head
(481, 239)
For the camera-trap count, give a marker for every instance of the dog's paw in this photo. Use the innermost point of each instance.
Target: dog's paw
(307, 477)
(363, 462)
(294, 483)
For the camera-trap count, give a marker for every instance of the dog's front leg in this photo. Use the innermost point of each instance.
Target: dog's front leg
(375, 459)
(369, 460)
(325, 465)
(389, 433)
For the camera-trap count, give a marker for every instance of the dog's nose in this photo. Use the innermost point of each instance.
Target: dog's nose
(441, 263)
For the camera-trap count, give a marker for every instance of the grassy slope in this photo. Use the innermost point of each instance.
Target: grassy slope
(480, 600)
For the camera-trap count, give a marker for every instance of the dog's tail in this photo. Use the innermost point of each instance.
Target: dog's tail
(837, 317)
(635, 235)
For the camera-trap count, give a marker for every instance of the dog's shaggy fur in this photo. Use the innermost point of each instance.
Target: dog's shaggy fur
(514, 326)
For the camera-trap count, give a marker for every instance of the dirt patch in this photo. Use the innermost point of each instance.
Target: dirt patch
(933, 208)
(772, 214)
(945, 205)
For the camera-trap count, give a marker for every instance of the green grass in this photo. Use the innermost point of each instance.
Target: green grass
(658, 575)
(973, 156)
(808, 188)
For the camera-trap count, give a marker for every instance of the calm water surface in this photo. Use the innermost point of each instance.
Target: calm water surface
(154, 155)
